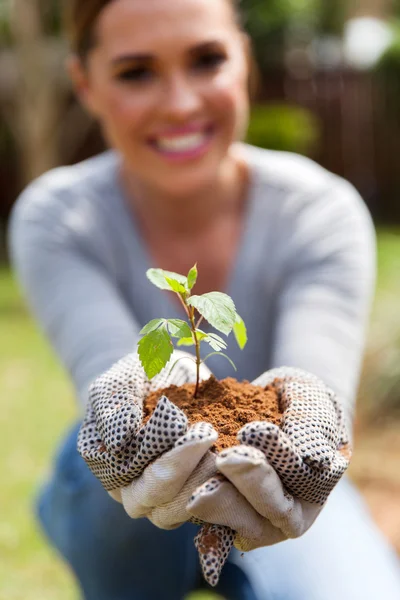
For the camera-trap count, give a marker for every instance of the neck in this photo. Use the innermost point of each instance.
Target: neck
(193, 213)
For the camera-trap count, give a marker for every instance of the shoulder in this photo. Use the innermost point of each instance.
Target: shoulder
(64, 190)
(287, 171)
(299, 187)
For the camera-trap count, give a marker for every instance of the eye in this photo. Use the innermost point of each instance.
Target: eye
(210, 61)
(135, 74)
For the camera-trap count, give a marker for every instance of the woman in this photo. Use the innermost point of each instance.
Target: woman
(290, 242)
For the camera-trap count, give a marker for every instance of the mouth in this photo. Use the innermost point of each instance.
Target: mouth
(183, 145)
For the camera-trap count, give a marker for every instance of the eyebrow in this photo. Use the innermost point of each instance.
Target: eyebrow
(144, 57)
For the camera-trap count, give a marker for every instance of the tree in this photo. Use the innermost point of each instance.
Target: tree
(34, 88)
(271, 24)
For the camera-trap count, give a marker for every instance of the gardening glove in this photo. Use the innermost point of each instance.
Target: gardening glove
(274, 484)
(153, 468)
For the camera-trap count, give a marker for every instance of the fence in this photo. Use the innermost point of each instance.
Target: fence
(360, 130)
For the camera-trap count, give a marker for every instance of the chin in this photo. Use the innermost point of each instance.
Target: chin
(188, 184)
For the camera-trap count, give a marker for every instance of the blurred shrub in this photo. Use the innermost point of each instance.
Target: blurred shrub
(380, 384)
(283, 127)
(388, 70)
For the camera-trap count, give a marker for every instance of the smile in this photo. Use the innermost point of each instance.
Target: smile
(188, 145)
(182, 143)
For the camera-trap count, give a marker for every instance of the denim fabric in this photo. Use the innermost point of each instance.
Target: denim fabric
(116, 558)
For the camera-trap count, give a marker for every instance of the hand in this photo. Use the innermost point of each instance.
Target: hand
(153, 468)
(274, 484)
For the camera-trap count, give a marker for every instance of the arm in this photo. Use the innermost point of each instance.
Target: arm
(274, 484)
(72, 297)
(325, 293)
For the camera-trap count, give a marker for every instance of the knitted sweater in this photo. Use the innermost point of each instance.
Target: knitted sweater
(302, 280)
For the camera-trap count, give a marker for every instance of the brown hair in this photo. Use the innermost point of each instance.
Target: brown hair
(80, 18)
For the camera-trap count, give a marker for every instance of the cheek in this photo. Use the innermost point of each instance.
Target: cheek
(124, 111)
(231, 99)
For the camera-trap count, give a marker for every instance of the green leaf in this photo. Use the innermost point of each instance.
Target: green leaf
(155, 350)
(192, 277)
(152, 326)
(217, 308)
(176, 286)
(240, 332)
(201, 335)
(185, 342)
(216, 342)
(188, 341)
(158, 278)
(220, 354)
(178, 328)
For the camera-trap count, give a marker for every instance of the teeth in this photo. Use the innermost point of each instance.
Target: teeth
(179, 144)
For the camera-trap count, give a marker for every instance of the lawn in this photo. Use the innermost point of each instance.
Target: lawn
(38, 406)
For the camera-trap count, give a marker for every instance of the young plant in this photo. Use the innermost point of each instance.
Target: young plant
(156, 345)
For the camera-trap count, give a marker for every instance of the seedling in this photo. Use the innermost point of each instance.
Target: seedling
(156, 346)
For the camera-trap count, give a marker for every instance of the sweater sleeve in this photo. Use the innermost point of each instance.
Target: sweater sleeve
(71, 295)
(326, 290)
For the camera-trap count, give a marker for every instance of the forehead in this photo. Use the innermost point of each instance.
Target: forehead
(124, 25)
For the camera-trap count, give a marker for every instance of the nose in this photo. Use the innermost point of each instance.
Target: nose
(180, 99)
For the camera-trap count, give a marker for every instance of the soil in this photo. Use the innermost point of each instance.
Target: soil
(227, 404)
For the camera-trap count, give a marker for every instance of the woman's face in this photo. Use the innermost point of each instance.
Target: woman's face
(168, 82)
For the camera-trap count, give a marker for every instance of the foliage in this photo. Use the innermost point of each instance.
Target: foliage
(270, 24)
(156, 346)
(380, 383)
(283, 127)
(4, 23)
(332, 16)
(388, 70)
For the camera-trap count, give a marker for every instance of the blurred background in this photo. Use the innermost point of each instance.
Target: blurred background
(328, 86)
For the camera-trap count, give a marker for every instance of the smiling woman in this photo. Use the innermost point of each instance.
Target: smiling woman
(292, 245)
(168, 82)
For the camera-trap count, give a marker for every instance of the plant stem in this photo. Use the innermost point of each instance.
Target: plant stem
(184, 305)
(199, 321)
(197, 345)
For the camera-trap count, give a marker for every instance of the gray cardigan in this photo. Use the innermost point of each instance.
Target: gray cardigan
(302, 281)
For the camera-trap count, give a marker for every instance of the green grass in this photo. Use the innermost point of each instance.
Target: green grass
(388, 289)
(38, 405)
(381, 374)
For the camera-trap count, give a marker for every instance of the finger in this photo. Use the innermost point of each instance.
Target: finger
(119, 418)
(161, 481)
(213, 543)
(297, 476)
(343, 423)
(174, 513)
(127, 372)
(118, 469)
(311, 421)
(310, 417)
(218, 501)
(165, 426)
(281, 376)
(116, 495)
(258, 482)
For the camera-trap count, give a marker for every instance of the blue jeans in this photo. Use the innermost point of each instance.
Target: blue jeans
(343, 556)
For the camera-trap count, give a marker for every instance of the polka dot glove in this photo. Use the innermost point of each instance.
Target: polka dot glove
(151, 468)
(274, 484)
